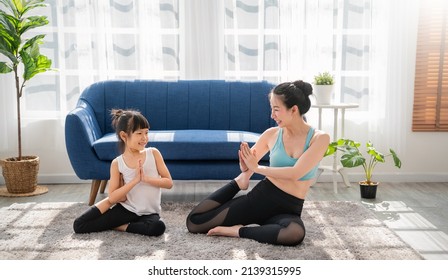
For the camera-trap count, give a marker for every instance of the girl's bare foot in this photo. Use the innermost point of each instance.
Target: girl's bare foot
(122, 227)
(232, 231)
(243, 180)
(103, 205)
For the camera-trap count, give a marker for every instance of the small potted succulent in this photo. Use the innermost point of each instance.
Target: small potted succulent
(352, 157)
(323, 88)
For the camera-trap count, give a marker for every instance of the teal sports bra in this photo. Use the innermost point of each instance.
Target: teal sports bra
(279, 158)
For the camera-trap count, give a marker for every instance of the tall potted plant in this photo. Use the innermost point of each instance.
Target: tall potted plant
(323, 88)
(352, 157)
(24, 61)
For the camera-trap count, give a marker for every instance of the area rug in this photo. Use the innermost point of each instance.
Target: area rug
(334, 231)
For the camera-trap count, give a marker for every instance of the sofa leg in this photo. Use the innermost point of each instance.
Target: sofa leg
(93, 191)
(103, 186)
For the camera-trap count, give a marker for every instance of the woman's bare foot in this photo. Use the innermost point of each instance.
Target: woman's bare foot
(232, 231)
(243, 180)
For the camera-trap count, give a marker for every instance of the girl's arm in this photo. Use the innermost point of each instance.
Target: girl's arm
(118, 191)
(312, 156)
(164, 181)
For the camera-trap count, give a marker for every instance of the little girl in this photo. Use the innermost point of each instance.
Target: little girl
(136, 179)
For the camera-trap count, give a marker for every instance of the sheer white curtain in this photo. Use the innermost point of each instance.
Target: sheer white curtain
(87, 41)
(392, 72)
(202, 23)
(306, 38)
(108, 40)
(368, 44)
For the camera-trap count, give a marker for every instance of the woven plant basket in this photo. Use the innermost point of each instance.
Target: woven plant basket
(20, 176)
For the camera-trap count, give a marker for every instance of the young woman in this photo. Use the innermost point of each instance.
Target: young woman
(270, 212)
(136, 179)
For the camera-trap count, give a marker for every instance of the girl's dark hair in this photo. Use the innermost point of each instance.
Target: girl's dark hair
(128, 121)
(295, 93)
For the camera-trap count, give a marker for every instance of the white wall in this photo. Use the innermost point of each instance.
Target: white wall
(424, 155)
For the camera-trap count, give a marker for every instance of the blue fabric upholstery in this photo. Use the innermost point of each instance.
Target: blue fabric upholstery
(196, 124)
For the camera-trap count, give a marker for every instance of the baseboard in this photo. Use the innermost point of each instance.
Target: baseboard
(389, 177)
(55, 179)
(324, 177)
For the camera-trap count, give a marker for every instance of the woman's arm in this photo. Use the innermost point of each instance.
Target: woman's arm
(261, 147)
(310, 158)
(258, 150)
(164, 181)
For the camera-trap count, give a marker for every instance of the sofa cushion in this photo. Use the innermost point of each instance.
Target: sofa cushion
(192, 144)
(188, 104)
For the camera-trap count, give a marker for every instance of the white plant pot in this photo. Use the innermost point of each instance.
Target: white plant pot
(323, 94)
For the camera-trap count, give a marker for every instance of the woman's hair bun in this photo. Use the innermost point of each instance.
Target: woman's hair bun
(305, 87)
(298, 83)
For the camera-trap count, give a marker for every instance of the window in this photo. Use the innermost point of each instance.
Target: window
(431, 74)
(269, 40)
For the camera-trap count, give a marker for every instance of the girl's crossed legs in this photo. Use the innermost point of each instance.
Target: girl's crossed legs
(93, 221)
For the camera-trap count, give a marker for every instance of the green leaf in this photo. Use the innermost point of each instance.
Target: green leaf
(32, 22)
(352, 160)
(34, 63)
(331, 149)
(9, 24)
(324, 78)
(341, 142)
(4, 68)
(18, 4)
(4, 49)
(10, 6)
(397, 161)
(33, 42)
(375, 154)
(33, 4)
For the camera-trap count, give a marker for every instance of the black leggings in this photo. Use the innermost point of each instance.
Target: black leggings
(268, 214)
(93, 221)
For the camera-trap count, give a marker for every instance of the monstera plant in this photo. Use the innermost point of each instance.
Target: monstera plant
(352, 157)
(20, 57)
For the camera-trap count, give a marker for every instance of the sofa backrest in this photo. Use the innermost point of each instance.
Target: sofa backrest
(185, 104)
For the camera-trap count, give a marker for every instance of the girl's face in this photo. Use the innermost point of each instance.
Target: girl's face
(137, 140)
(279, 113)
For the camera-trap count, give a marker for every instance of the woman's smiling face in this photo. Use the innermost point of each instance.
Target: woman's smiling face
(279, 113)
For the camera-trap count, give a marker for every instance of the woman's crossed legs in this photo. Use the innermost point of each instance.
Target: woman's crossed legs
(255, 216)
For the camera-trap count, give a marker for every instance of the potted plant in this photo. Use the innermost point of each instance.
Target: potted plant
(352, 157)
(323, 88)
(24, 61)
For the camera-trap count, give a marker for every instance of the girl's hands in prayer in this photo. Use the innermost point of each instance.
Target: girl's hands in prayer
(138, 173)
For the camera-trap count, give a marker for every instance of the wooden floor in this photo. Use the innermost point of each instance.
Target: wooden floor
(417, 212)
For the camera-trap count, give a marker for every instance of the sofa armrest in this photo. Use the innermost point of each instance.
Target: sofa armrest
(81, 130)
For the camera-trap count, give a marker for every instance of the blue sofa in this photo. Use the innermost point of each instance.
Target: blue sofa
(197, 125)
